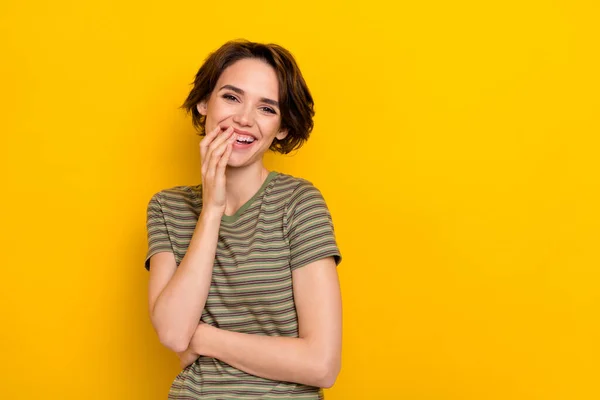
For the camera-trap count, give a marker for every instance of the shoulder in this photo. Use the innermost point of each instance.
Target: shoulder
(295, 187)
(302, 197)
(177, 196)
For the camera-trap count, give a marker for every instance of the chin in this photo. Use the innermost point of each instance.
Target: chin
(236, 163)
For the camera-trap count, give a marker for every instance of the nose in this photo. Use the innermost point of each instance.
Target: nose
(244, 115)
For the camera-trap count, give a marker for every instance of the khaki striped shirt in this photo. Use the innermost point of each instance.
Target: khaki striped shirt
(284, 226)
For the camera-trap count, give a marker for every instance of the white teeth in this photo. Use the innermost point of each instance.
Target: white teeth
(244, 138)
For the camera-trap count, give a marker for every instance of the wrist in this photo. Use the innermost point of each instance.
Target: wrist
(211, 214)
(201, 341)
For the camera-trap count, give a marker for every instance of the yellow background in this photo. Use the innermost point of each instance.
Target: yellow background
(456, 143)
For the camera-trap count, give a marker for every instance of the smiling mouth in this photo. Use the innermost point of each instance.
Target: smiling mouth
(244, 139)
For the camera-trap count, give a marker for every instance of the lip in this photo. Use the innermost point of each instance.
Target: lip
(242, 132)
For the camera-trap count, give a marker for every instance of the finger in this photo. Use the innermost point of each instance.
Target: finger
(219, 178)
(207, 140)
(222, 137)
(217, 142)
(204, 147)
(222, 164)
(210, 136)
(217, 155)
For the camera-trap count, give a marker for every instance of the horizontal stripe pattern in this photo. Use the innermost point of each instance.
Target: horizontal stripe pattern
(285, 226)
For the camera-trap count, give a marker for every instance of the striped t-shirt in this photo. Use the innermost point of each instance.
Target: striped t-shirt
(284, 226)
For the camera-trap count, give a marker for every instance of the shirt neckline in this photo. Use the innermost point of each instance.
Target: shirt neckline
(244, 207)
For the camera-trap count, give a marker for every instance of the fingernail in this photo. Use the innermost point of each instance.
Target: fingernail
(232, 138)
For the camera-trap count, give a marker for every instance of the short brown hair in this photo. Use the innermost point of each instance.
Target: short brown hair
(295, 101)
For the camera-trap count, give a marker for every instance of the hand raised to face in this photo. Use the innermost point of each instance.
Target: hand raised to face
(215, 150)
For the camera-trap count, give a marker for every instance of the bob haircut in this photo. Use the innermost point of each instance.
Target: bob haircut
(295, 101)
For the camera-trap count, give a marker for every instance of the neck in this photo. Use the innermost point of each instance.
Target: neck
(242, 184)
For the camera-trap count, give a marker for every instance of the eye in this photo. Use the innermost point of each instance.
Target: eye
(268, 110)
(229, 97)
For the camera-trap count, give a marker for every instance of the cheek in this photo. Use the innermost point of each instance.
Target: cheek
(270, 125)
(221, 112)
(215, 115)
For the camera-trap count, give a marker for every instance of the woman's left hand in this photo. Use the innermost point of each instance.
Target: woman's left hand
(187, 357)
(194, 349)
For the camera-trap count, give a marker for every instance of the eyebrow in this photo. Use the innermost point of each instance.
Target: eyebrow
(241, 92)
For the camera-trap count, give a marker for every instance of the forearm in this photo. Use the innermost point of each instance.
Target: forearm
(179, 306)
(298, 360)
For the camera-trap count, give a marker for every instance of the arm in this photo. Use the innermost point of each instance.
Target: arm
(314, 358)
(177, 295)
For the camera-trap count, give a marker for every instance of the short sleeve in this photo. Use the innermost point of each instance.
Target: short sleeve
(158, 236)
(309, 226)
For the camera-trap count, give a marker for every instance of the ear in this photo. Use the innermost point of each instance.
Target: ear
(282, 134)
(202, 108)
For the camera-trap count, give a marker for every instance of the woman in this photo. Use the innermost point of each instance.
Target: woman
(243, 281)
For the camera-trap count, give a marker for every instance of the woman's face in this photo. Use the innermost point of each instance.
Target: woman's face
(246, 97)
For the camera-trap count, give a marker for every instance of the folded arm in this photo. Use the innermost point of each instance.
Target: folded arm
(314, 358)
(177, 295)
